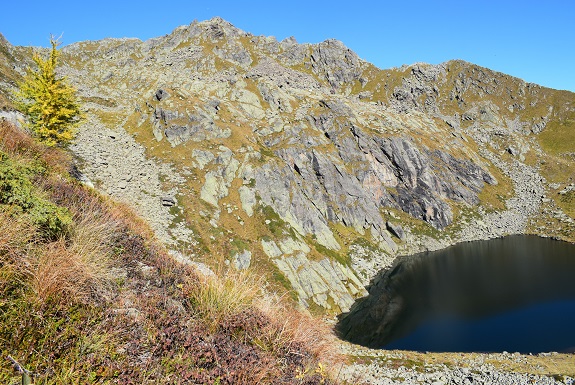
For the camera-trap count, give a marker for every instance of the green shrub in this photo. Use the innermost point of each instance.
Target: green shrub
(18, 192)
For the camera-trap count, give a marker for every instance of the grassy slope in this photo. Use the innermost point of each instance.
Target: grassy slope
(98, 301)
(558, 141)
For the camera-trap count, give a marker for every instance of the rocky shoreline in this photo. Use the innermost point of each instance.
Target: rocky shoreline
(396, 367)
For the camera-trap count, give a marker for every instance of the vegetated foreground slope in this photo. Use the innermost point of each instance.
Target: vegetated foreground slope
(305, 163)
(88, 296)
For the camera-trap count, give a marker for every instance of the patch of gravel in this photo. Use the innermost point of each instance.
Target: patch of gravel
(116, 165)
(529, 194)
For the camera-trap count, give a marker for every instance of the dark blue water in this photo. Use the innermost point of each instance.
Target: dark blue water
(510, 294)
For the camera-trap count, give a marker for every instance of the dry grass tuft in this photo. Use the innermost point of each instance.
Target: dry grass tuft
(15, 236)
(77, 270)
(67, 271)
(59, 274)
(216, 298)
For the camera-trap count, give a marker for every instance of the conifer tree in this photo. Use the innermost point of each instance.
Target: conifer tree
(48, 100)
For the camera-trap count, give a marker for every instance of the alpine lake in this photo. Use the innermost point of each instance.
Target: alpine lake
(513, 294)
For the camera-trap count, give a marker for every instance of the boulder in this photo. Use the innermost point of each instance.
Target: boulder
(161, 95)
(168, 201)
(395, 229)
(248, 199)
(242, 260)
(512, 150)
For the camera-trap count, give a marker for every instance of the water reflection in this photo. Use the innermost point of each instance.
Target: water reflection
(516, 294)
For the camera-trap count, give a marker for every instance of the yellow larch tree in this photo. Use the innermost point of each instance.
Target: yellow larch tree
(50, 103)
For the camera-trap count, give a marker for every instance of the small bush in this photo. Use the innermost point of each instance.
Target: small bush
(18, 191)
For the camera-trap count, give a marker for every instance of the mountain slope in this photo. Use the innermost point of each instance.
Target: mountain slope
(310, 165)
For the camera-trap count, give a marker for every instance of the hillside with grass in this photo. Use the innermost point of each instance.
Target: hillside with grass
(88, 295)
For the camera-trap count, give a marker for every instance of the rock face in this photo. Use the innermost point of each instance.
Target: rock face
(179, 129)
(423, 179)
(326, 283)
(336, 63)
(243, 136)
(396, 230)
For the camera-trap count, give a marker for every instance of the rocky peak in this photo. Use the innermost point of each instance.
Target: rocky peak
(335, 62)
(464, 90)
(215, 29)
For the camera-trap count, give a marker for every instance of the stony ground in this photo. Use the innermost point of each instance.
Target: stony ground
(114, 162)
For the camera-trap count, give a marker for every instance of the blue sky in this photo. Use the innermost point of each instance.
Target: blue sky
(533, 40)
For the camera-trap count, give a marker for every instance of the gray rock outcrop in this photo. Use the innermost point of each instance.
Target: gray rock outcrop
(326, 283)
(242, 260)
(395, 229)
